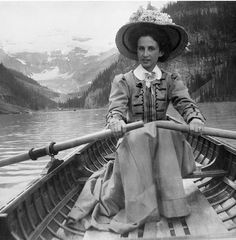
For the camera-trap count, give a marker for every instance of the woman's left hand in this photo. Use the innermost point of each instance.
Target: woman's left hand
(196, 126)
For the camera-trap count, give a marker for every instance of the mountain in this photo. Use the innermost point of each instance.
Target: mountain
(20, 93)
(61, 72)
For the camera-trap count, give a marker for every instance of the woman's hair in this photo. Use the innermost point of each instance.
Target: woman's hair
(159, 36)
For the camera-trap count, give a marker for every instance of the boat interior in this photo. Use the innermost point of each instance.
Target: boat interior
(40, 212)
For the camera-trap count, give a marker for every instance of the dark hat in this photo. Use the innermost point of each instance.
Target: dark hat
(157, 22)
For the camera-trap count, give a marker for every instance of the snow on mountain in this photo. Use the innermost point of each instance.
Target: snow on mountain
(59, 70)
(50, 74)
(21, 61)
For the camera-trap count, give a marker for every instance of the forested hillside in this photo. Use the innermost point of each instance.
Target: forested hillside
(19, 93)
(97, 94)
(209, 64)
(211, 61)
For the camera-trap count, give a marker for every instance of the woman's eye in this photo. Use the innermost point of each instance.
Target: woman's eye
(151, 48)
(140, 48)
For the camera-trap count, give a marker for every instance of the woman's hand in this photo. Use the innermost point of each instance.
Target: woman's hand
(118, 127)
(196, 126)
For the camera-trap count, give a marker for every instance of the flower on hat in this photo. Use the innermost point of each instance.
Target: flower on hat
(154, 16)
(135, 16)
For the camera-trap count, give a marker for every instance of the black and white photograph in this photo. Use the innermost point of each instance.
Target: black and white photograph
(117, 120)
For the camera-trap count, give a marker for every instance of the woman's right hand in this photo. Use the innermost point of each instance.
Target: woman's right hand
(118, 127)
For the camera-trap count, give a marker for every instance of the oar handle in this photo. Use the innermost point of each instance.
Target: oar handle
(216, 132)
(134, 125)
(40, 152)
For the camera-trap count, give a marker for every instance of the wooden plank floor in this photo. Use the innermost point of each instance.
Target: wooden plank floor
(202, 221)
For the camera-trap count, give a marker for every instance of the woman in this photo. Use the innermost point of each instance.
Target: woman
(145, 181)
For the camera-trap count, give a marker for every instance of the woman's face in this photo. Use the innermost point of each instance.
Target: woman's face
(148, 52)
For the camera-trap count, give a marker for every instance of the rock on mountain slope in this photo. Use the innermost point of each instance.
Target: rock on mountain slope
(62, 72)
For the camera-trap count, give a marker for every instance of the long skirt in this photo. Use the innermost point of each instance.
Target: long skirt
(143, 183)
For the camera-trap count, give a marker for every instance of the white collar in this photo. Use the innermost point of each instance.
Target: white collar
(140, 71)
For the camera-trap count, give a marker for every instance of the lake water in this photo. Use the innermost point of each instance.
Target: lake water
(19, 133)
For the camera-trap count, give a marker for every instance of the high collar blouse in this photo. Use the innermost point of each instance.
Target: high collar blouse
(140, 72)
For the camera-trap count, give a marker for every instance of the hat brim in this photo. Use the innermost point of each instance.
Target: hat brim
(177, 35)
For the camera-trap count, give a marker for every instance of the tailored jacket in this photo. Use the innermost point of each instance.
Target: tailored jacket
(131, 100)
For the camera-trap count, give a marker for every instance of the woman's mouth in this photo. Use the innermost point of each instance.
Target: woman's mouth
(146, 60)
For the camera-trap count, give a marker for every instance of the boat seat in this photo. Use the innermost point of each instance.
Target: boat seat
(200, 173)
(208, 173)
(203, 221)
(196, 174)
(203, 172)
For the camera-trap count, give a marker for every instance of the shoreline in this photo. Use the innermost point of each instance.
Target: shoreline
(29, 111)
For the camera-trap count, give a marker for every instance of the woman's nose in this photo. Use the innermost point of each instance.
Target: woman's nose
(146, 52)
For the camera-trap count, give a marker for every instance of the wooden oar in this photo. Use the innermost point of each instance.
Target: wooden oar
(216, 132)
(57, 147)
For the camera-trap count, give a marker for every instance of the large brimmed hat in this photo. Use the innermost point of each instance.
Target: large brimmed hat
(158, 22)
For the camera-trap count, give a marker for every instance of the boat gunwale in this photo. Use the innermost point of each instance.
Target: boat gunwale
(218, 141)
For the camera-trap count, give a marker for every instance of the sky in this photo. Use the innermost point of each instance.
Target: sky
(39, 26)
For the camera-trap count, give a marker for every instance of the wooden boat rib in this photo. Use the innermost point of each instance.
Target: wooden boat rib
(40, 211)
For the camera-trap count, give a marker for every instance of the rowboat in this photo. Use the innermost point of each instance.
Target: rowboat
(41, 210)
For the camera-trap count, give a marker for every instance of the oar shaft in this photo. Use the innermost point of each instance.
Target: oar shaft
(14, 159)
(93, 137)
(219, 133)
(40, 152)
(204, 131)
